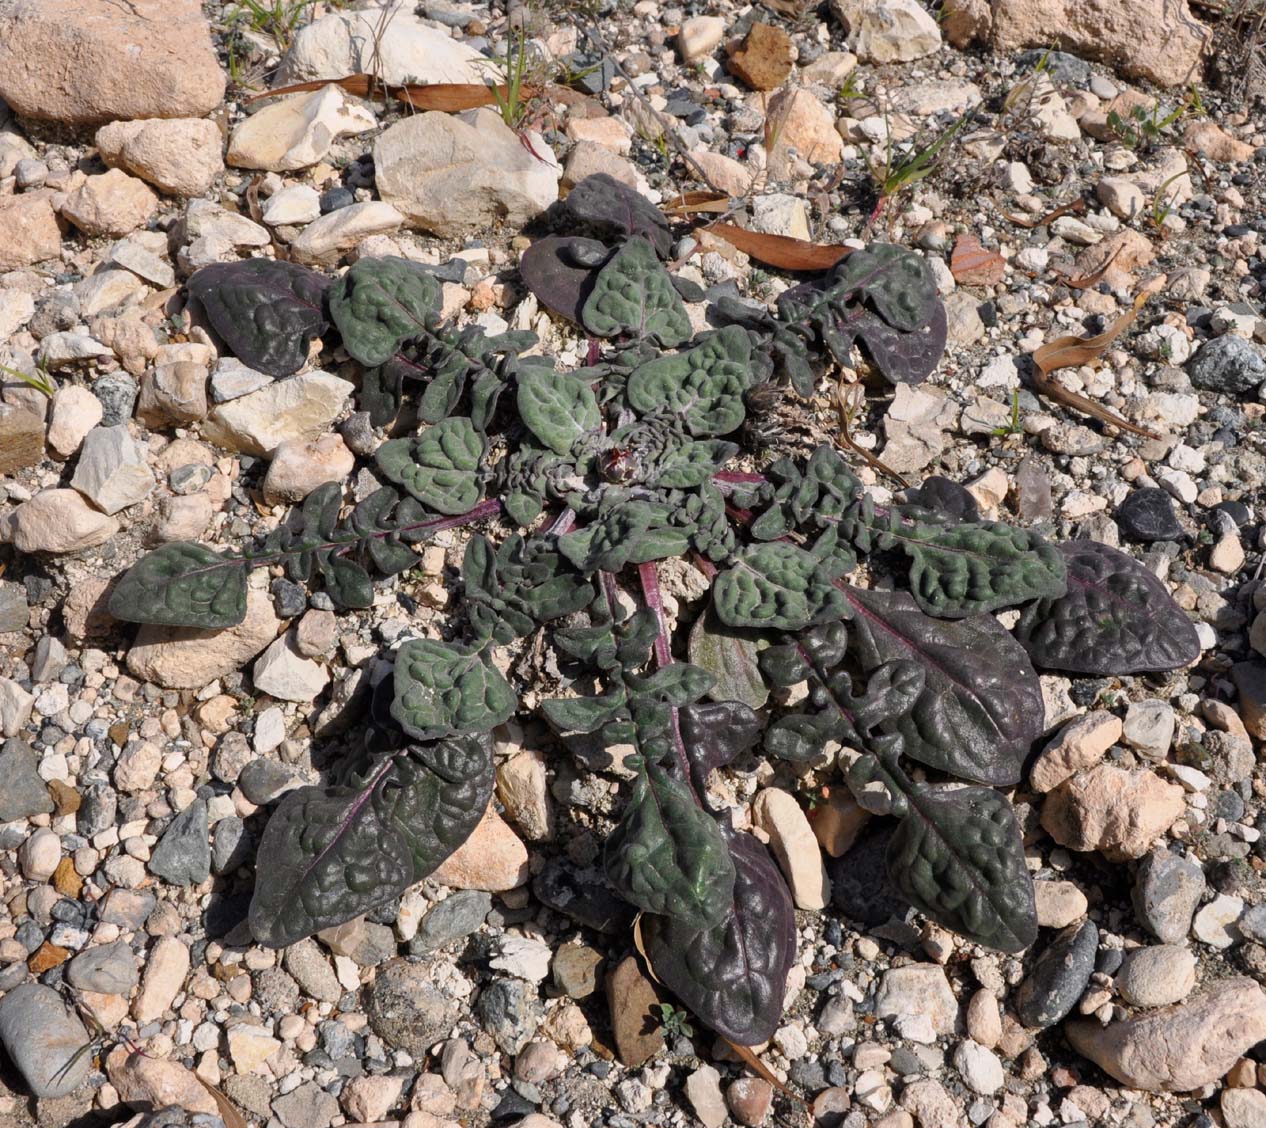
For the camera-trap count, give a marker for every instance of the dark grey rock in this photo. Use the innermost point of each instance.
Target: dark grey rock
(308, 1106)
(1058, 977)
(289, 600)
(183, 854)
(1147, 515)
(117, 393)
(336, 198)
(582, 894)
(262, 781)
(510, 1010)
(1064, 69)
(190, 478)
(50, 662)
(575, 970)
(232, 846)
(1252, 924)
(97, 808)
(109, 969)
(1227, 364)
(22, 792)
(407, 1010)
(14, 613)
(1166, 894)
(453, 919)
(41, 1036)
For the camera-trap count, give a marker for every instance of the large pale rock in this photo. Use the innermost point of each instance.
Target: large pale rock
(327, 238)
(285, 674)
(148, 1083)
(1117, 812)
(179, 156)
(888, 31)
(91, 61)
(166, 966)
(493, 858)
(57, 521)
(1159, 40)
(300, 466)
(113, 472)
(918, 989)
(794, 844)
(186, 658)
(451, 175)
(1080, 744)
(798, 120)
(300, 407)
(1181, 1047)
(395, 45)
(28, 230)
(113, 203)
(297, 131)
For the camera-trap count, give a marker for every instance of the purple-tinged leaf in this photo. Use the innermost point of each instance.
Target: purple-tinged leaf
(612, 207)
(560, 270)
(733, 975)
(266, 311)
(1115, 618)
(713, 734)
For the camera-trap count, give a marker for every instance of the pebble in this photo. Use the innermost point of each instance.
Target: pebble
(451, 919)
(41, 1036)
(1214, 924)
(1243, 1107)
(57, 521)
(1058, 976)
(1115, 811)
(1157, 976)
(283, 673)
(1167, 890)
(635, 1028)
(183, 854)
(749, 1100)
(1149, 728)
(1181, 1047)
(39, 855)
(165, 969)
(109, 969)
(1080, 744)
(794, 845)
(511, 1012)
(523, 957)
(1229, 365)
(700, 36)
(178, 156)
(296, 132)
(407, 1010)
(493, 858)
(1059, 903)
(145, 1081)
(22, 792)
(919, 989)
(311, 970)
(979, 1068)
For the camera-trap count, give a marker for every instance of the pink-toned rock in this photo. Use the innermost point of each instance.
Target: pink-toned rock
(166, 966)
(1159, 40)
(113, 203)
(86, 611)
(150, 1083)
(28, 230)
(726, 173)
(1216, 143)
(300, 465)
(493, 858)
(91, 61)
(186, 658)
(1180, 1047)
(1079, 744)
(1117, 812)
(609, 132)
(57, 521)
(76, 411)
(179, 156)
(838, 822)
(801, 122)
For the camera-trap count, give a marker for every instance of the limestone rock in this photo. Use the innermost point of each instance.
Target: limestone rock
(493, 858)
(522, 786)
(325, 239)
(57, 521)
(151, 1083)
(1112, 810)
(794, 845)
(179, 156)
(296, 131)
(803, 123)
(699, 37)
(21, 438)
(888, 31)
(451, 175)
(299, 466)
(113, 472)
(408, 50)
(1080, 744)
(187, 658)
(299, 407)
(1181, 1047)
(28, 230)
(85, 62)
(283, 673)
(113, 203)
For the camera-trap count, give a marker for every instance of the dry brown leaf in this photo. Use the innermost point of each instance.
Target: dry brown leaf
(781, 251)
(228, 1111)
(703, 200)
(1070, 351)
(448, 97)
(1095, 277)
(1076, 207)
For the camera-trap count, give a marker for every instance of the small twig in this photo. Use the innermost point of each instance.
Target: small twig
(847, 411)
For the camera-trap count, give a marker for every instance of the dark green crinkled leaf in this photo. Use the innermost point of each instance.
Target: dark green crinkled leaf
(703, 386)
(441, 467)
(667, 855)
(634, 296)
(438, 794)
(614, 208)
(980, 708)
(733, 976)
(520, 585)
(380, 303)
(265, 310)
(184, 585)
(1116, 618)
(730, 655)
(713, 734)
(898, 282)
(442, 688)
(585, 714)
(678, 683)
(326, 856)
(557, 407)
(961, 568)
(777, 586)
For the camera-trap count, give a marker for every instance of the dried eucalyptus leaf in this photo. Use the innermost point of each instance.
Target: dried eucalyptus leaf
(1116, 618)
(265, 310)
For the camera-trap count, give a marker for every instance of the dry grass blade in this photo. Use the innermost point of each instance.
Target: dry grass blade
(448, 97)
(780, 251)
(848, 401)
(1075, 208)
(685, 203)
(1093, 279)
(1066, 352)
(228, 1111)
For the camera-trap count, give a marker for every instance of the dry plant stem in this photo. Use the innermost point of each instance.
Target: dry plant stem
(1075, 207)
(846, 411)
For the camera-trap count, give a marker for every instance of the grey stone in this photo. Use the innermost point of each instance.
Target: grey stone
(362, 941)
(575, 969)
(183, 854)
(454, 918)
(22, 792)
(49, 661)
(1058, 977)
(41, 1036)
(1227, 364)
(109, 969)
(262, 781)
(1167, 891)
(510, 1010)
(98, 805)
(275, 990)
(407, 1010)
(14, 613)
(113, 471)
(128, 908)
(231, 379)
(1252, 924)
(117, 393)
(232, 846)
(308, 1106)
